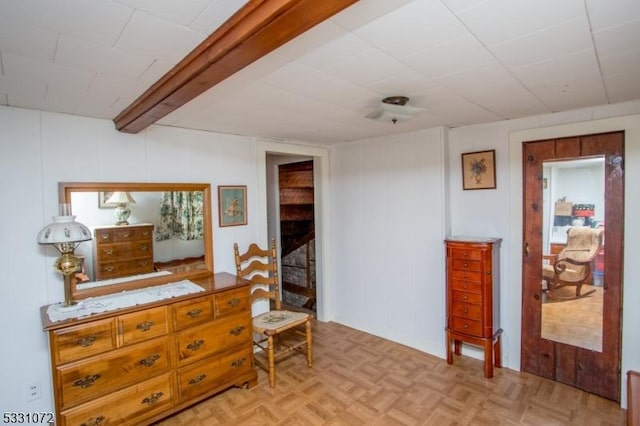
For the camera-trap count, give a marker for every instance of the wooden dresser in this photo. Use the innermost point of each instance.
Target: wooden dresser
(136, 365)
(473, 297)
(121, 251)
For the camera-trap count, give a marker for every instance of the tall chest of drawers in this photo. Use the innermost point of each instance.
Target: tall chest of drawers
(134, 366)
(473, 297)
(121, 251)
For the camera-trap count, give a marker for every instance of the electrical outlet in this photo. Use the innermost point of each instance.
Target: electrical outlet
(33, 391)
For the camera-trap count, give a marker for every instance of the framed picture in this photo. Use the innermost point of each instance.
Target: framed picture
(232, 205)
(102, 200)
(479, 170)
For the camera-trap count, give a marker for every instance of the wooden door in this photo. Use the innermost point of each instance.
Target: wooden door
(595, 371)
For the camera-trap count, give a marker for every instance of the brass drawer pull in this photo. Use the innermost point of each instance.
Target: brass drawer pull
(466, 326)
(238, 362)
(153, 398)
(194, 313)
(150, 360)
(194, 346)
(466, 265)
(143, 263)
(104, 236)
(465, 254)
(197, 380)
(144, 248)
(108, 268)
(465, 297)
(234, 302)
(93, 421)
(88, 381)
(145, 326)
(237, 331)
(87, 341)
(466, 310)
(108, 252)
(126, 234)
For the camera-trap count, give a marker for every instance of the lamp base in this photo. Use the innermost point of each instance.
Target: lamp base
(122, 213)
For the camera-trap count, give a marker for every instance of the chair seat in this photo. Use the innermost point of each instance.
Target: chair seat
(273, 322)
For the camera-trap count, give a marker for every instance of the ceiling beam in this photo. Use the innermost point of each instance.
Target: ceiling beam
(256, 29)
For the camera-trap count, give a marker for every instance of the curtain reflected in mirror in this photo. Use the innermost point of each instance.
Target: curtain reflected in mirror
(573, 252)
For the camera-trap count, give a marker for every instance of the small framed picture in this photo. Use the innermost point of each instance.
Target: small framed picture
(102, 200)
(232, 205)
(479, 170)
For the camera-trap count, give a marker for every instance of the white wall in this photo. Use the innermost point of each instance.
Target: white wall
(37, 150)
(388, 204)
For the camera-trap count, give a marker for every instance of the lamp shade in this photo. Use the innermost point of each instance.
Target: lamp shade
(63, 229)
(121, 197)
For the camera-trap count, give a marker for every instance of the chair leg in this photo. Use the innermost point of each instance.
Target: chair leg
(271, 362)
(309, 344)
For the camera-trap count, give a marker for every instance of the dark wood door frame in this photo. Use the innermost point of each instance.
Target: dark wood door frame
(589, 370)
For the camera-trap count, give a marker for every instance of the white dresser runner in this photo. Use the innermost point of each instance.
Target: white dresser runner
(125, 299)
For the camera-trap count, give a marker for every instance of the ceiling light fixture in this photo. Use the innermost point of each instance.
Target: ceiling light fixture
(394, 109)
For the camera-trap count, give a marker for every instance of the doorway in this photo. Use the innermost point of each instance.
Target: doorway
(291, 205)
(574, 182)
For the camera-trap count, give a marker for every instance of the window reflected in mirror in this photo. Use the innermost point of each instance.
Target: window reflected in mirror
(573, 252)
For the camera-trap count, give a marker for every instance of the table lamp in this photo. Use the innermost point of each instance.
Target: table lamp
(122, 211)
(65, 234)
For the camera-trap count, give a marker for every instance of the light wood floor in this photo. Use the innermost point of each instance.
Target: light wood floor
(576, 322)
(360, 379)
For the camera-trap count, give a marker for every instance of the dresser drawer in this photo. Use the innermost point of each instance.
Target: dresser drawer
(84, 340)
(467, 326)
(467, 265)
(468, 254)
(192, 312)
(466, 297)
(120, 251)
(123, 234)
(127, 267)
(231, 302)
(214, 372)
(466, 275)
(143, 325)
(467, 310)
(215, 336)
(128, 406)
(470, 286)
(96, 376)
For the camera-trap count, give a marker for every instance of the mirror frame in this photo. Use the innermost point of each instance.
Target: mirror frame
(65, 189)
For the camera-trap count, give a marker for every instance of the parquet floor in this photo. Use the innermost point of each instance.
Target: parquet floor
(360, 379)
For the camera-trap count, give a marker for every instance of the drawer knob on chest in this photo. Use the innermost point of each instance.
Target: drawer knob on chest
(466, 326)
(108, 252)
(237, 331)
(234, 302)
(466, 265)
(465, 297)
(150, 360)
(108, 268)
(464, 254)
(87, 381)
(153, 398)
(94, 421)
(126, 234)
(144, 248)
(194, 346)
(197, 380)
(87, 341)
(466, 310)
(465, 286)
(194, 313)
(238, 362)
(143, 263)
(145, 326)
(104, 236)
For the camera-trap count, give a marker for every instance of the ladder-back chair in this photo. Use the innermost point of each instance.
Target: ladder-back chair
(277, 332)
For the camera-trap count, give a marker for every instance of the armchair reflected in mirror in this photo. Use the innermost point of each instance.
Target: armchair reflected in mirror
(167, 237)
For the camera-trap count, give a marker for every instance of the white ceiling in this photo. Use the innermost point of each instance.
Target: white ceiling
(463, 61)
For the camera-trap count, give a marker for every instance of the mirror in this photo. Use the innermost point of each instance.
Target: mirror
(573, 194)
(168, 236)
